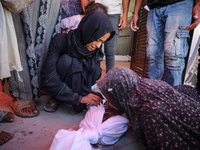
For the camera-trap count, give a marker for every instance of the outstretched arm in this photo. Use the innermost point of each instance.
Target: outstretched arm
(196, 16)
(134, 20)
(123, 19)
(92, 99)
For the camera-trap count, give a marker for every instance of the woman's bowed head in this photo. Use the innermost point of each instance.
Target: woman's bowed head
(97, 44)
(162, 116)
(94, 29)
(72, 65)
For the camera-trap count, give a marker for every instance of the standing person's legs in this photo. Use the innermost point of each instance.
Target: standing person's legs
(155, 47)
(109, 46)
(33, 36)
(178, 16)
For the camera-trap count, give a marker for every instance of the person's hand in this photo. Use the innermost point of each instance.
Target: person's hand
(196, 16)
(122, 22)
(133, 22)
(92, 99)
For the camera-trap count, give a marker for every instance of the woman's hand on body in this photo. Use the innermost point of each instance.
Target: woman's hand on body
(92, 99)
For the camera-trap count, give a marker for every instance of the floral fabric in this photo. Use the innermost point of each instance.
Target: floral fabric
(35, 26)
(163, 116)
(70, 8)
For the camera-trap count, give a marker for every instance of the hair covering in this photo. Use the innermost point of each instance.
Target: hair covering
(91, 131)
(85, 67)
(163, 117)
(93, 26)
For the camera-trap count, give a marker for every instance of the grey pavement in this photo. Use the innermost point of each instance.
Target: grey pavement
(37, 133)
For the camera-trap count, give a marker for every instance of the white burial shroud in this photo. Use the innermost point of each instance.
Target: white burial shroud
(91, 131)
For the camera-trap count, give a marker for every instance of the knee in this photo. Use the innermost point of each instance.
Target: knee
(175, 62)
(63, 62)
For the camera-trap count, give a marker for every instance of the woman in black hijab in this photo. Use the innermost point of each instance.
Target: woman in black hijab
(163, 117)
(72, 65)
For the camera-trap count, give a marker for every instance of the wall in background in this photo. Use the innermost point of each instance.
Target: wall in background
(124, 43)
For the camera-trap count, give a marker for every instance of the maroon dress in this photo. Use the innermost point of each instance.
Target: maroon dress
(164, 117)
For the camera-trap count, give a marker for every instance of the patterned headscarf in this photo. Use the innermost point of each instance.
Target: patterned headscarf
(153, 105)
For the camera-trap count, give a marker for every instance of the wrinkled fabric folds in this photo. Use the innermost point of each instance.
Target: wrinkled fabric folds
(163, 116)
(85, 67)
(91, 131)
(9, 51)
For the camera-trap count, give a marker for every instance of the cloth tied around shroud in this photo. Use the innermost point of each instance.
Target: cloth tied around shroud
(92, 130)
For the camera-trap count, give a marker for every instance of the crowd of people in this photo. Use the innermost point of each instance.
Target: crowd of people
(62, 55)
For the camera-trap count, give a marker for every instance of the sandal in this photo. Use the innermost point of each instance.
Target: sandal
(6, 116)
(19, 105)
(52, 105)
(5, 137)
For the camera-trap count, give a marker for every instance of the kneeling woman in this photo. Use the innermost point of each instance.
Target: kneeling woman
(72, 65)
(164, 117)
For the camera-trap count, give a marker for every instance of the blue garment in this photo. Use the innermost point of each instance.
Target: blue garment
(109, 46)
(167, 40)
(35, 27)
(158, 3)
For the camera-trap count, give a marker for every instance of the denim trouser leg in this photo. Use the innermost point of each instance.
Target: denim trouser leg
(109, 46)
(167, 39)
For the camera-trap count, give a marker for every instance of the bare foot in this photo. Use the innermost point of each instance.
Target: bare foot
(5, 137)
(9, 117)
(30, 110)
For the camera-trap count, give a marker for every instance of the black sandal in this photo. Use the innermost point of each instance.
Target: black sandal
(6, 116)
(5, 137)
(52, 105)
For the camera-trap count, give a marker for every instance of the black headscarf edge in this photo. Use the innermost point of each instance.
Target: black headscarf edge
(93, 26)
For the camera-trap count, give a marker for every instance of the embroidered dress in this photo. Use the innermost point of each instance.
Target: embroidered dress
(35, 26)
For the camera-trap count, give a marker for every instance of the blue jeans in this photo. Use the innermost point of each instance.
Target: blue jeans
(167, 40)
(109, 46)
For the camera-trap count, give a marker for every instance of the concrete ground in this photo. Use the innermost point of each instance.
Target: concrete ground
(38, 132)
